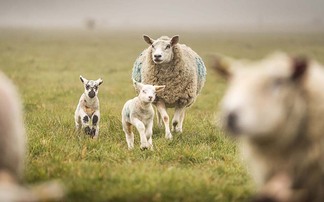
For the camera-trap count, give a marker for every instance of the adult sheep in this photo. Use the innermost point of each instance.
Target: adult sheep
(275, 107)
(179, 68)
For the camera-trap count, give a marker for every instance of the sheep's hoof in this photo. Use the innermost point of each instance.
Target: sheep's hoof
(263, 198)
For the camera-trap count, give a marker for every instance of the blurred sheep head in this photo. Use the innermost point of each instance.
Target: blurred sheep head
(265, 98)
(162, 48)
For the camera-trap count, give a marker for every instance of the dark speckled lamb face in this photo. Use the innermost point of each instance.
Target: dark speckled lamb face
(162, 48)
(91, 87)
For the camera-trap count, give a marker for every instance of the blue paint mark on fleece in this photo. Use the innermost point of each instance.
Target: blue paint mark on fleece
(137, 71)
(201, 69)
(127, 111)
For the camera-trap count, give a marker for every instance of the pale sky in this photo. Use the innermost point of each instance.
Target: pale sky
(163, 13)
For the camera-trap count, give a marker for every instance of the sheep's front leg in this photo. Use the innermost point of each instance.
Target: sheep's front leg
(85, 122)
(165, 117)
(159, 119)
(141, 129)
(95, 124)
(149, 133)
(178, 119)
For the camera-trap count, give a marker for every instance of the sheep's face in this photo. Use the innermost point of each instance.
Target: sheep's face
(91, 87)
(162, 48)
(265, 100)
(147, 93)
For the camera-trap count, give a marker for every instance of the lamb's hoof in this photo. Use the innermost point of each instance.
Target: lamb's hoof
(144, 146)
(168, 136)
(92, 133)
(87, 130)
(130, 148)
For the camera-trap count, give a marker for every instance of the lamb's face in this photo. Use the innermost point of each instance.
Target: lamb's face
(162, 51)
(265, 100)
(91, 87)
(147, 92)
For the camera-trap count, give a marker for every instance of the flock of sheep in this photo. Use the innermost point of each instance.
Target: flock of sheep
(273, 106)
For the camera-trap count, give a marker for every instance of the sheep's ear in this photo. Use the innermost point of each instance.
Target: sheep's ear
(138, 86)
(100, 81)
(148, 39)
(299, 65)
(174, 40)
(83, 80)
(159, 88)
(221, 66)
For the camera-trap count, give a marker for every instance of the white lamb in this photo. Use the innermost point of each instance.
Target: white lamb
(139, 112)
(165, 62)
(276, 108)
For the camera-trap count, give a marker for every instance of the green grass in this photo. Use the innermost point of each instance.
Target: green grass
(201, 164)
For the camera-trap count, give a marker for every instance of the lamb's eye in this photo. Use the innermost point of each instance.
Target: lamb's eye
(144, 91)
(87, 87)
(153, 46)
(168, 46)
(95, 87)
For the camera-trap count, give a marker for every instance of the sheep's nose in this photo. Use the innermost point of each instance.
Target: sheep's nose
(150, 97)
(157, 55)
(232, 122)
(92, 94)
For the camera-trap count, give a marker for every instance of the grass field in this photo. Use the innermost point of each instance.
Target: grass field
(201, 164)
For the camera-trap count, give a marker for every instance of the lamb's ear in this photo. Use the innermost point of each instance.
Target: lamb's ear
(159, 88)
(148, 39)
(221, 66)
(100, 81)
(137, 85)
(83, 80)
(299, 66)
(174, 40)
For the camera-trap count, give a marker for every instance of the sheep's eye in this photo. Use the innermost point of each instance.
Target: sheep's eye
(87, 87)
(168, 46)
(144, 91)
(95, 87)
(153, 46)
(278, 83)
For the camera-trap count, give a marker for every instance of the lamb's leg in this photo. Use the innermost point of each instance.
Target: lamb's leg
(165, 117)
(178, 119)
(95, 125)
(149, 133)
(77, 120)
(141, 129)
(85, 121)
(127, 128)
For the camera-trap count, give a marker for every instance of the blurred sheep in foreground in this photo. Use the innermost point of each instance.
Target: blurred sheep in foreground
(275, 107)
(13, 149)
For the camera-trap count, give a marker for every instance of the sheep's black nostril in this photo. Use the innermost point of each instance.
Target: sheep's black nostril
(232, 124)
(157, 55)
(150, 97)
